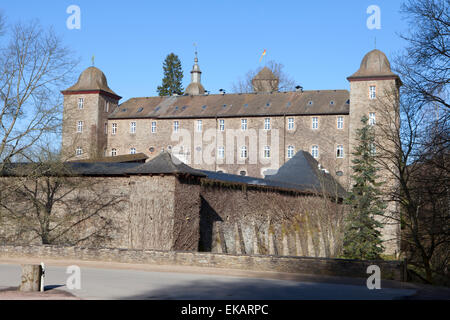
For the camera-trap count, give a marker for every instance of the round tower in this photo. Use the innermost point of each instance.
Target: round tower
(87, 105)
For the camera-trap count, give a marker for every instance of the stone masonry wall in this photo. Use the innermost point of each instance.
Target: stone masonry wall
(390, 270)
(241, 221)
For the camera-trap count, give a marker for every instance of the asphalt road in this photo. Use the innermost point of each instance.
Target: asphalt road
(99, 283)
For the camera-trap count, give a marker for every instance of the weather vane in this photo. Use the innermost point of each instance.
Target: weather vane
(195, 46)
(93, 60)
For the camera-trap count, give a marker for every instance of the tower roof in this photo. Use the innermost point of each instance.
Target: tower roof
(91, 79)
(195, 87)
(374, 64)
(265, 74)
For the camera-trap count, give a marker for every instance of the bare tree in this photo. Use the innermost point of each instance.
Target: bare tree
(418, 167)
(285, 83)
(425, 66)
(34, 65)
(50, 202)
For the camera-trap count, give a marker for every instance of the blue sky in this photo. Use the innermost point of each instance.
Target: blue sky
(319, 42)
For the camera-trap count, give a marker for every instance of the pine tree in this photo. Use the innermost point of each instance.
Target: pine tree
(362, 238)
(173, 76)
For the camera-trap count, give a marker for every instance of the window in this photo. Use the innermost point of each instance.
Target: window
(266, 151)
(133, 127)
(153, 126)
(80, 126)
(372, 92)
(133, 151)
(290, 123)
(221, 125)
(315, 122)
(176, 125)
(340, 151)
(199, 125)
(80, 103)
(79, 151)
(340, 122)
(290, 152)
(243, 152)
(106, 127)
(315, 151)
(372, 118)
(113, 152)
(106, 106)
(373, 149)
(267, 124)
(243, 124)
(221, 152)
(114, 128)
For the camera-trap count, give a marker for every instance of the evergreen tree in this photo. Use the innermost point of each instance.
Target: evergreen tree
(362, 238)
(173, 76)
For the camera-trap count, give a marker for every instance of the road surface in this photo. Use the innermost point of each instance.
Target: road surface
(108, 283)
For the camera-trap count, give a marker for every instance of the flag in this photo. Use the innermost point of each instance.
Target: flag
(263, 54)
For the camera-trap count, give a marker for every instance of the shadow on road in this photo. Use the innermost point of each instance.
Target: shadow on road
(261, 289)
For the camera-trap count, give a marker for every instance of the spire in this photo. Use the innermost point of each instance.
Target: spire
(195, 87)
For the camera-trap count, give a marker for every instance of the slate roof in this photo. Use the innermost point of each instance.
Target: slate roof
(68, 169)
(300, 173)
(374, 64)
(138, 157)
(165, 163)
(235, 105)
(303, 170)
(91, 79)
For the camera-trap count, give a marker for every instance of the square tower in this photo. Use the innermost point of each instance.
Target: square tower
(374, 93)
(87, 105)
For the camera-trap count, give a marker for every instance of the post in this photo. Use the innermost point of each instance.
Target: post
(405, 270)
(31, 278)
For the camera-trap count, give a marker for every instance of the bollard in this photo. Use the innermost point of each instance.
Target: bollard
(31, 278)
(42, 277)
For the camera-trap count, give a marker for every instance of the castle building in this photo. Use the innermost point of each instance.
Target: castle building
(251, 134)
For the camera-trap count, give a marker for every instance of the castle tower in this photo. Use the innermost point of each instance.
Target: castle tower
(374, 93)
(87, 105)
(265, 81)
(195, 87)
